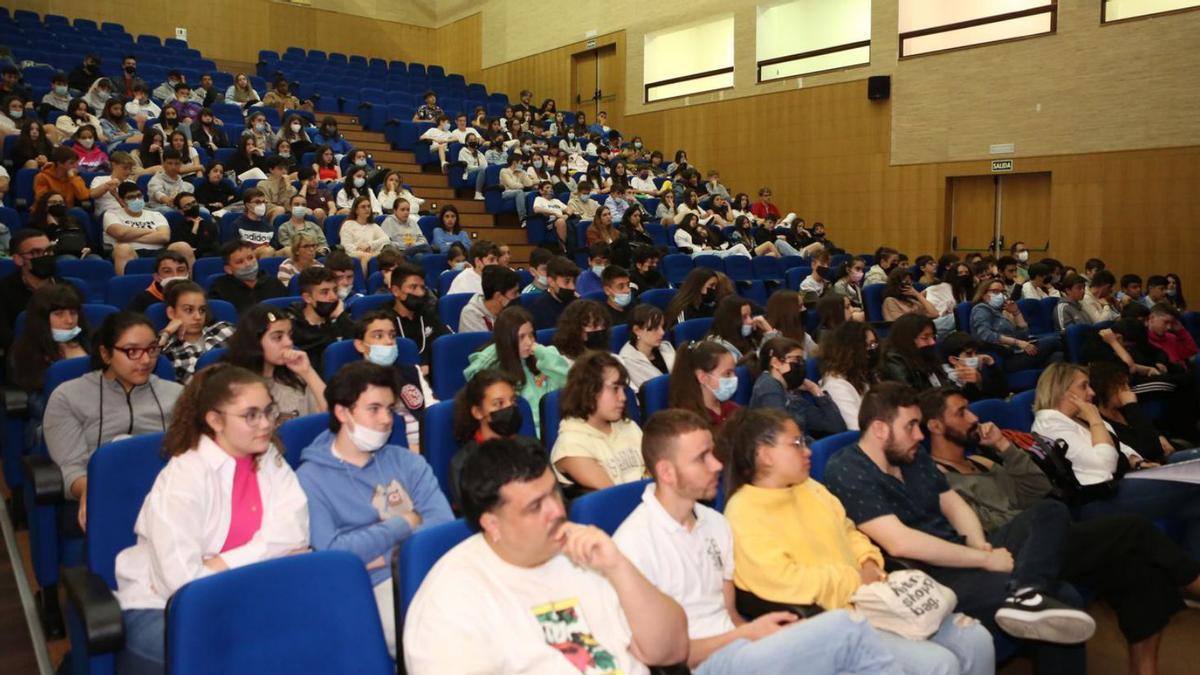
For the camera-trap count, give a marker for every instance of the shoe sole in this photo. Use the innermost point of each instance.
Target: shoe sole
(1060, 626)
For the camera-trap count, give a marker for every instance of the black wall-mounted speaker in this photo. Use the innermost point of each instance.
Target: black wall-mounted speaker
(879, 87)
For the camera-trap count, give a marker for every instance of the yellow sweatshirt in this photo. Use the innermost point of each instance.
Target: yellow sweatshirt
(796, 545)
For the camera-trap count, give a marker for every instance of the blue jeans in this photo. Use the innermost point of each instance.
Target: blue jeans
(953, 649)
(1155, 499)
(145, 642)
(831, 642)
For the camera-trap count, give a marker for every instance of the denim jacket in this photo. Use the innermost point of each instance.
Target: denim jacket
(988, 325)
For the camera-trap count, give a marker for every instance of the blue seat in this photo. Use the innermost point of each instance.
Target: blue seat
(996, 411)
(95, 273)
(439, 445)
(1077, 334)
(207, 266)
(300, 626)
(618, 336)
(767, 268)
(872, 295)
(1036, 315)
(418, 554)
(741, 395)
(93, 313)
(450, 308)
(654, 395)
(450, 357)
(713, 262)
(608, 508)
(545, 336)
(1023, 380)
(1021, 406)
(962, 316)
(446, 278)
(140, 266)
(659, 297)
(676, 266)
(283, 302)
(361, 306)
(121, 290)
(692, 329)
(794, 276)
(739, 268)
(824, 448)
(120, 475)
(210, 357)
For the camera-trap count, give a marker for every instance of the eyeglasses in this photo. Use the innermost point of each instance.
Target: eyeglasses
(136, 353)
(37, 252)
(254, 416)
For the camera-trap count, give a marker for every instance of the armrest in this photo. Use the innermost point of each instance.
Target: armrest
(98, 610)
(15, 401)
(43, 476)
(751, 606)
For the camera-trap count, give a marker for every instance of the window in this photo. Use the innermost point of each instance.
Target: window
(811, 36)
(689, 60)
(1116, 10)
(936, 25)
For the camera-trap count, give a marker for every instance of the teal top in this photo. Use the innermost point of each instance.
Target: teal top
(552, 366)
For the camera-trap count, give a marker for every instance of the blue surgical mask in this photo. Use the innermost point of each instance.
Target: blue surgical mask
(260, 127)
(623, 299)
(360, 162)
(247, 272)
(996, 300)
(598, 269)
(383, 355)
(726, 388)
(60, 89)
(747, 329)
(541, 280)
(460, 265)
(16, 114)
(65, 335)
(299, 211)
(136, 205)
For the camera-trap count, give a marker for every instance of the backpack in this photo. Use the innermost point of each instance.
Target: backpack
(1050, 455)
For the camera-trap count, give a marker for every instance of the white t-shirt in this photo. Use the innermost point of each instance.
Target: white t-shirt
(476, 613)
(640, 185)
(467, 281)
(845, 396)
(107, 201)
(146, 220)
(690, 566)
(554, 205)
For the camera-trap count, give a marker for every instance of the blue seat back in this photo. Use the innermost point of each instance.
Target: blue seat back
(872, 295)
(996, 411)
(210, 357)
(360, 306)
(300, 626)
(418, 554)
(445, 278)
(120, 290)
(692, 329)
(675, 267)
(654, 395)
(608, 508)
(824, 448)
(659, 297)
(120, 475)
(450, 308)
(1077, 334)
(1021, 407)
(962, 316)
(450, 357)
(220, 310)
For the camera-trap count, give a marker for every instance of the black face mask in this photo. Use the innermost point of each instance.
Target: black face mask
(565, 295)
(597, 339)
(794, 377)
(59, 211)
(192, 211)
(709, 297)
(43, 267)
(872, 358)
(506, 421)
(325, 309)
(129, 70)
(414, 303)
(929, 354)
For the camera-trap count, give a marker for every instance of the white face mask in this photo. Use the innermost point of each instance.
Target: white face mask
(343, 292)
(260, 210)
(366, 440)
(296, 127)
(86, 143)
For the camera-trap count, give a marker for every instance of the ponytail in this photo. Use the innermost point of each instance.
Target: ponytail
(684, 389)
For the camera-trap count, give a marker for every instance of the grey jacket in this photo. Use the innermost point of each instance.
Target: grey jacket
(91, 410)
(1068, 313)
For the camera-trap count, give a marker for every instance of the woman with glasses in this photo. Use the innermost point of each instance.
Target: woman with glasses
(262, 343)
(120, 397)
(225, 499)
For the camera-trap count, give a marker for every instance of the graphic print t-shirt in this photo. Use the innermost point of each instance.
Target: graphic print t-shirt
(476, 613)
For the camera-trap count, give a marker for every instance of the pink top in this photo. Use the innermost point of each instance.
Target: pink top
(246, 507)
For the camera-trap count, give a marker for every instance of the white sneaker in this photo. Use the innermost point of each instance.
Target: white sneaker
(478, 196)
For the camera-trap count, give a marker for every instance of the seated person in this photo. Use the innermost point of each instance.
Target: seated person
(222, 461)
(546, 204)
(134, 231)
(244, 284)
(1069, 310)
(485, 408)
(661, 538)
(343, 268)
(404, 231)
(55, 329)
(361, 238)
(316, 198)
(783, 385)
(1133, 565)
(320, 318)
(583, 326)
(645, 274)
(213, 192)
(589, 280)
(598, 446)
(195, 229)
(169, 267)
(647, 355)
(909, 354)
(375, 340)
(439, 138)
(167, 183)
(793, 544)
(704, 381)
(900, 298)
(1010, 579)
(415, 311)
(298, 223)
(481, 254)
(696, 298)
(191, 330)
(303, 255)
(1098, 302)
(569, 574)
(736, 328)
(536, 369)
(560, 292)
(253, 226)
(975, 373)
(262, 344)
(618, 295)
(1039, 285)
(80, 417)
(996, 321)
(1165, 331)
(365, 495)
(539, 259)
(501, 288)
(277, 188)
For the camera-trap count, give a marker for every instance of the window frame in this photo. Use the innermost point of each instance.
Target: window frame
(758, 66)
(1051, 8)
(1104, 21)
(685, 78)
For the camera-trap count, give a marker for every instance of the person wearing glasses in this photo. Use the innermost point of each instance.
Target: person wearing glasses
(224, 500)
(33, 255)
(366, 494)
(120, 397)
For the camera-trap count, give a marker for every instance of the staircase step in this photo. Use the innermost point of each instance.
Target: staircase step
(436, 194)
(423, 179)
(463, 205)
(475, 219)
(498, 235)
(356, 135)
(396, 157)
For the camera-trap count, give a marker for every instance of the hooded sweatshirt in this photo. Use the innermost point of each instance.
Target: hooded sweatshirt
(358, 509)
(619, 452)
(552, 374)
(91, 410)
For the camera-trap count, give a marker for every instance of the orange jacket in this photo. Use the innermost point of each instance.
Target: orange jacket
(73, 190)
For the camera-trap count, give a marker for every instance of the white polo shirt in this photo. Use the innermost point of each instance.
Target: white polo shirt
(690, 566)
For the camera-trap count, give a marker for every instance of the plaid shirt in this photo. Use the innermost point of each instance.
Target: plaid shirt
(184, 355)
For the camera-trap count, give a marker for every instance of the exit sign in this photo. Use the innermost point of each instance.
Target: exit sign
(1002, 165)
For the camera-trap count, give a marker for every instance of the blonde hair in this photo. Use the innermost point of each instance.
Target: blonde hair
(1053, 384)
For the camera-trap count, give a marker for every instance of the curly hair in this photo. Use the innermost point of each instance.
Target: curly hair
(741, 437)
(844, 353)
(585, 382)
(569, 337)
(209, 389)
(245, 346)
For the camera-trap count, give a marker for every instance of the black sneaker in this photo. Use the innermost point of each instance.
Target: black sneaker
(1032, 615)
